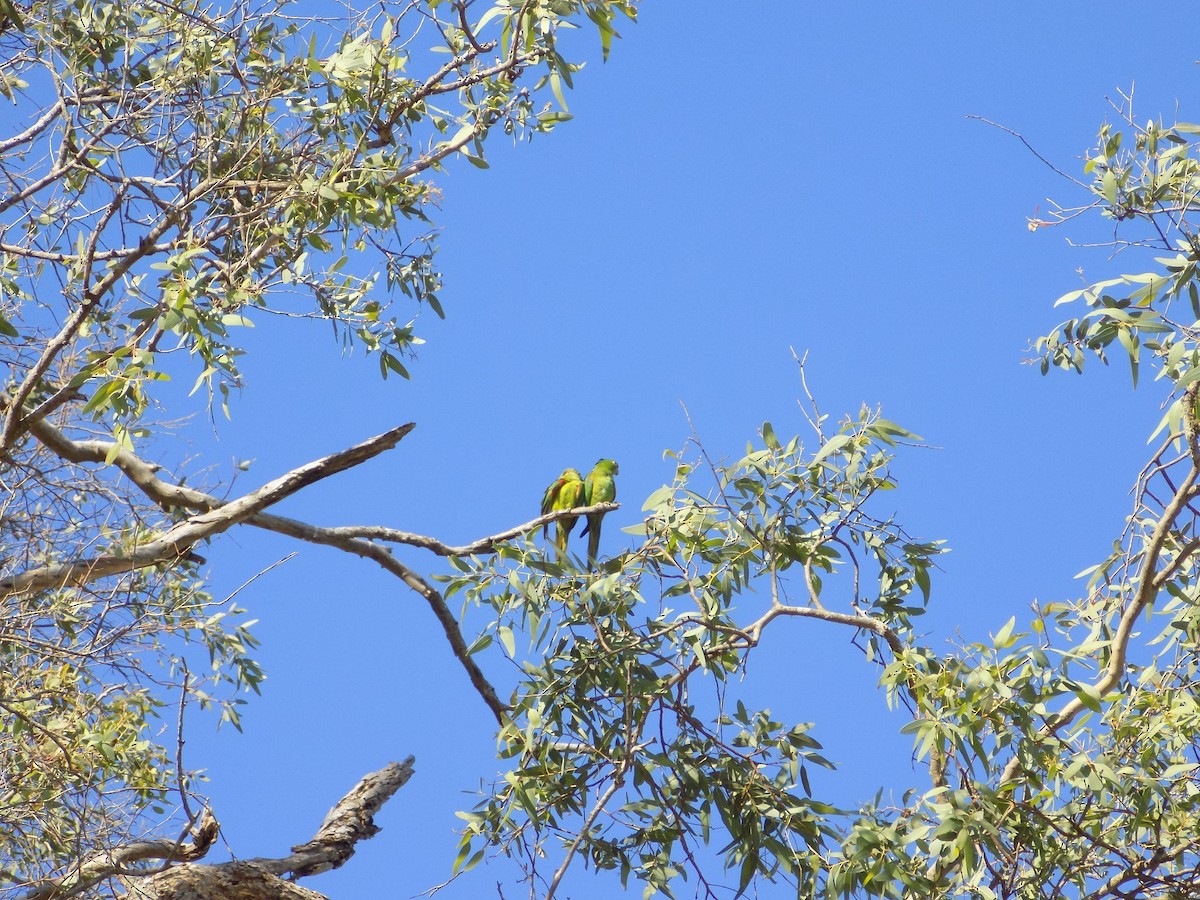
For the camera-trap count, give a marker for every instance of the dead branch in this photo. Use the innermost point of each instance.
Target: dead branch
(181, 877)
(104, 865)
(178, 540)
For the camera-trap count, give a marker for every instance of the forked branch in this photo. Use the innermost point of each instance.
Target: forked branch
(216, 518)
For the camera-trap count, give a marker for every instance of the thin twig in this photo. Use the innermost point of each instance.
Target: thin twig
(1029, 147)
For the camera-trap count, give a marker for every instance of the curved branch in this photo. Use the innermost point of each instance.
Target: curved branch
(383, 556)
(1137, 870)
(865, 622)
(1147, 587)
(937, 758)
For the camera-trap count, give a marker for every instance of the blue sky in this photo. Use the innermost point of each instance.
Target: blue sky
(793, 176)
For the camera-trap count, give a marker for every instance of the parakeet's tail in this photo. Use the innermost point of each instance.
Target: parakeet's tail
(593, 529)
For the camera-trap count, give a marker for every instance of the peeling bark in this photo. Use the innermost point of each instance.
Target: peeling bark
(180, 877)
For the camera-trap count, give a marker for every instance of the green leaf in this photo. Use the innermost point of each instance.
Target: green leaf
(505, 633)
(833, 445)
(1003, 637)
(556, 87)
(660, 499)
(480, 643)
(1172, 419)
(921, 577)
(769, 438)
(464, 864)
(1088, 696)
(749, 867)
(886, 429)
(1069, 298)
(1108, 186)
(389, 362)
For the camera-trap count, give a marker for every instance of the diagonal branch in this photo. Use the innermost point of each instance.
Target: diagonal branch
(383, 556)
(351, 820)
(92, 297)
(179, 539)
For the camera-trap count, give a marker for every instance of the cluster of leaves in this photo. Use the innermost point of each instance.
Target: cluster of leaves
(1146, 183)
(180, 166)
(628, 735)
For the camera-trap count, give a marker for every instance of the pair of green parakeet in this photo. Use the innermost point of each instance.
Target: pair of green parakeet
(570, 491)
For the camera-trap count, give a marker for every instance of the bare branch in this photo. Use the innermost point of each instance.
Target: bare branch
(351, 820)
(178, 540)
(1030, 148)
(482, 545)
(866, 623)
(383, 556)
(595, 813)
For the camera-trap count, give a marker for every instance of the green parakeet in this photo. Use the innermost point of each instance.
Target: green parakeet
(566, 493)
(598, 487)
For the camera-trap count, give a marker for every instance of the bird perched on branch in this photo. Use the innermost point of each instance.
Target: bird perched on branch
(566, 493)
(599, 487)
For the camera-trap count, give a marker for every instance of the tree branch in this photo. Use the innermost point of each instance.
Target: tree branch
(482, 545)
(383, 556)
(95, 869)
(1146, 588)
(170, 495)
(595, 813)
(351, 820)
(178, 540)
